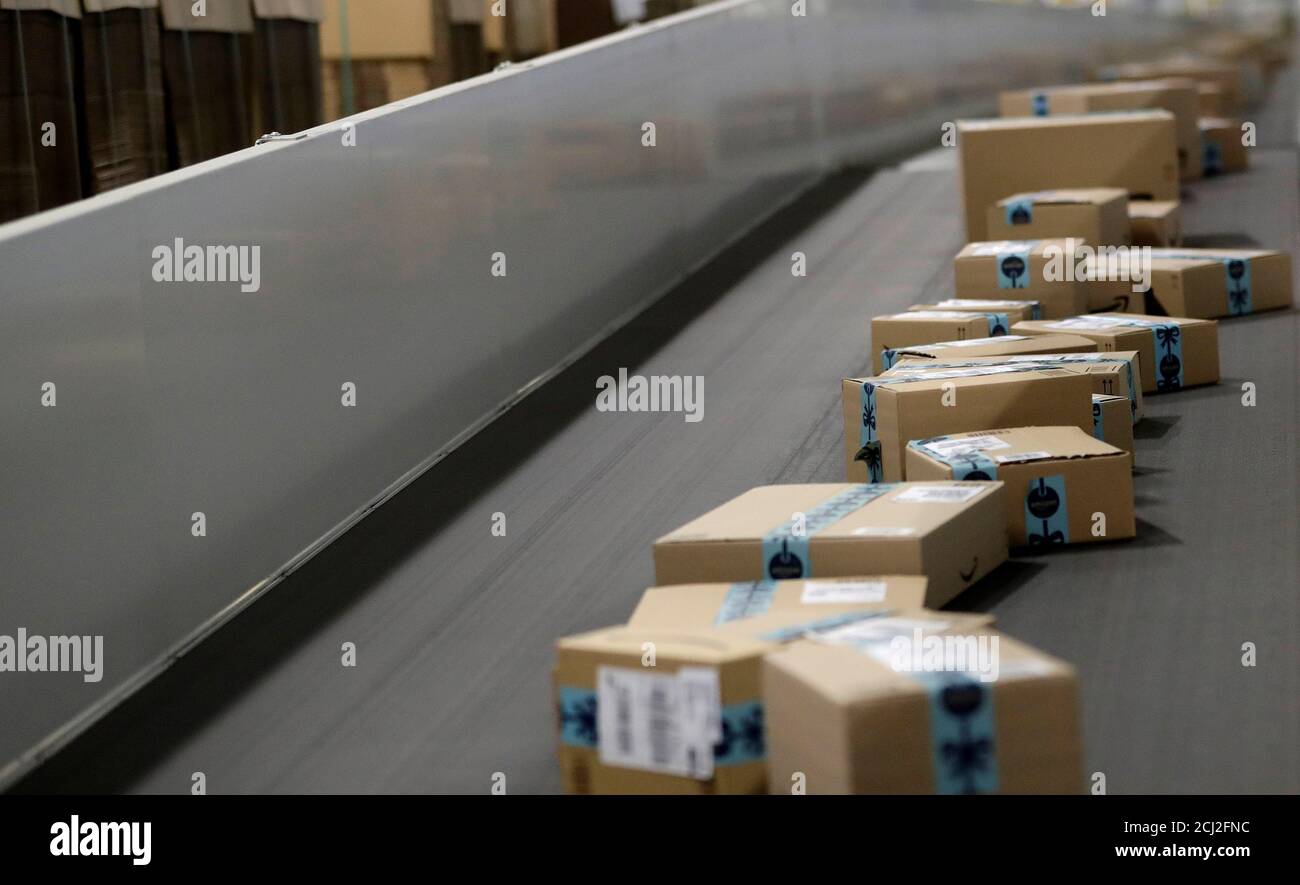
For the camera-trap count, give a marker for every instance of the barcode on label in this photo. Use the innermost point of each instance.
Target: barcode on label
(938, 494)
(666, 723)
(823, 592)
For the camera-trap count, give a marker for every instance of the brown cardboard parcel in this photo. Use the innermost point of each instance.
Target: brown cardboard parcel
(1094, 215)
(1210, 283)
(1113, 373)
(1133, 150)
(692, 606)
(1188, 348)
(838, 530)
(1111, 422)
(1063, 485)
(883, 413)
(1013, 310)
(893, 331)
(944, 351)
(1226, 75)
(1179, 97)
(1223, 149)
(1155, 223)
(1042, 270)
(920, 705)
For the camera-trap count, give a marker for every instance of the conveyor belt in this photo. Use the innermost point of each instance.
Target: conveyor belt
(454, 627)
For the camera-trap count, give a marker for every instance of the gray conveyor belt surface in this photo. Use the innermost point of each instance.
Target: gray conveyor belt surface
(454, 627)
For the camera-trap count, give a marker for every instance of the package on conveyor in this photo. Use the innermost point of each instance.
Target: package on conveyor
(1208, 283)
(691, 606)
(919, 704)
(1222, 147)
(892, 331)
(1096, 215)
(1156, 223)
(1013, 309)
(1063, 485)
(1133, 150)
(883, 413)
(1112, 421)
(1178, 96)
(1176, 352)
(1212, 100)
(786, 532)
(1002, 345)
(1225, 75)
(1047, 271)
(1113, 373)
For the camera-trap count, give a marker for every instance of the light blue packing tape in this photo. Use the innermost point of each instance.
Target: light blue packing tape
(745, 600)
(744, 737)
(972, 466)
(998, 324)
(1019, 212)
(1237, 271)
(1013, 270)
(963, 733)
(887, 357)
(1097, 431)
(1040, 104)
(1047, 519)
(1169, 356)
(869, 450)
(794, 631)
(786, 555)
(1036, 312)
(1211, 158)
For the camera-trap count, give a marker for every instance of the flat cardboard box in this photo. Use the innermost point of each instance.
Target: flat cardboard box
(1058, 480)
(1219, 282)
(892, 331)
(1155, 223)
(838, 530)
(690, 724)
(1003, 345)
(1111, 421)
(1002, 268)
(1095, 215)
(1117, 373)
(1222, 149)
(850, 713)
(1179, 97)
(698, 606)
(1133, 150)
(1013, 309)
(882, 414)
(1188, 347)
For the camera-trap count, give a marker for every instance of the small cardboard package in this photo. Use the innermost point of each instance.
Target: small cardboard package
(1212, 100)
(1133, 150)
(1209, 283)
(897, 330)
(920, 704)
(1111, 421)
(1013, 310)
(695, 606)
(1156, 223)
(818, 531)
(882, 414)
(1175, 352)
(1063, 485)
(1179, 97)
(1225, 75)
(1003, 345)
(1094, 215)
(1221, 145)
(1041, 270)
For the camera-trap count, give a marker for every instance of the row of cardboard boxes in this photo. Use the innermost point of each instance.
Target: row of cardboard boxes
(793, 642)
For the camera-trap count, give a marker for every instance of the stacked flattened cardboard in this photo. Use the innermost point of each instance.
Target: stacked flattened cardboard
(793, 643)
(287, 46)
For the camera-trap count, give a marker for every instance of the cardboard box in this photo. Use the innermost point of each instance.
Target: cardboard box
(696, 606)
(1212, 100)
(838, 530)
(1188, 348)
(1111, 421)
(1003, 345)
(884, 413)
(1018, 267)
(1222, 148)
(1133, 150)
(897, 330)
(1116, 373)
(1156, 223)
(1225, 75)
(1013, 310)
(1179, 97)
(1058, 479)
(1219, 282)
(1094, 215)
(856, 711)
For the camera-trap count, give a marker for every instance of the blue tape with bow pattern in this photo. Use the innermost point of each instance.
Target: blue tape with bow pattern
(1013, 270)
(868, 442)
(786, 554)
(963, 733)
(971, 465)
(1019, 212)
(1046, 516)
(745, 600)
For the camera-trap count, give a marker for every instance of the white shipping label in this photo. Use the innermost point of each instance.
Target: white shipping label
(940, 494)
(1102, 323)
(999, 246)
(966, 444)
(666, 723)
(932, 315)
(821, 592)
(969, 342)
(982, 303)
(1022, 456)
(878, 631)
(883, 531)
